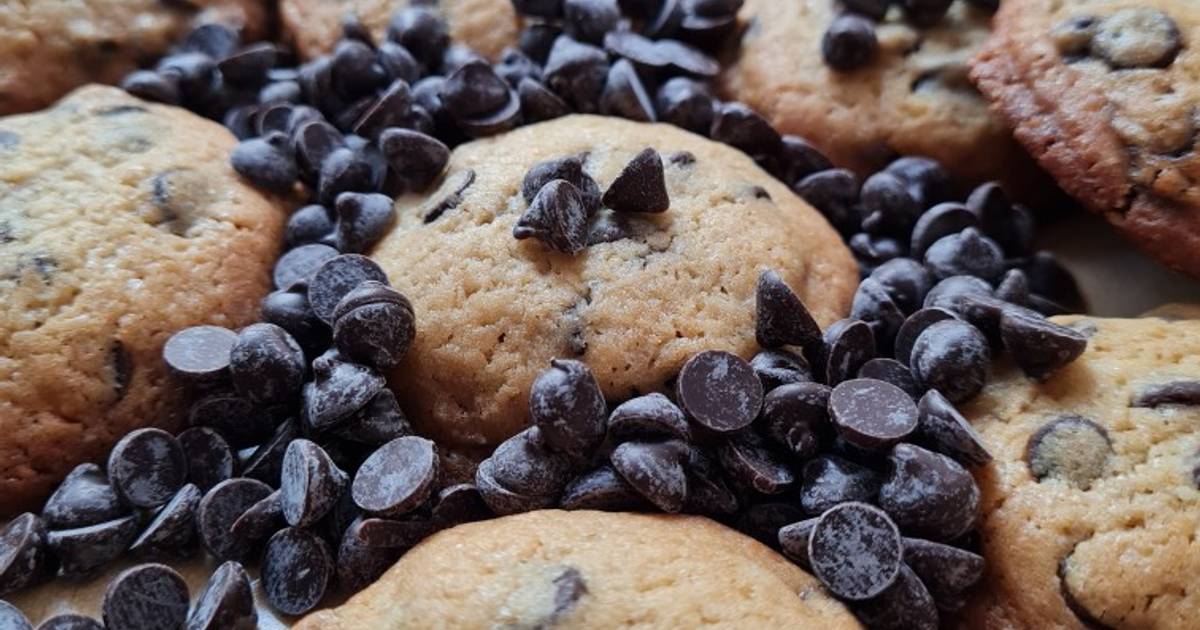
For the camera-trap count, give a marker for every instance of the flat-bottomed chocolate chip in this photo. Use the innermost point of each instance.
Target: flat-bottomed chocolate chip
(209, 457)
(648, 417)
(524, 464)
(199, 353)
(309, 484)
(566, 403)
(928, 494)
(601, 489)
(267, 364)
(84, 497)
(266, 460)
(503, 501)
(947, 572)
(829, 480)
(763, 521)
(147, 467)
(655, 470)
(460, 503)
(82, 550)
(260, 520)
(719, 391)
(906, 605)
(906, 282)
(416, 157)
(1040, 347)
(685, 103)
(339, 389)
(397, 477)
(1071, 449)
(297, 570)
(624, 94)
(743, 128)
(781, 317)
(793, 541)
(146, 597)
(219, 508)
(1179, 392)
(227, 601)
(795, 416)
(363, 219)
(849, 344)
(776, 368)
(1138, 37)
(173, 529)
(952, 357)
(872, 414)
(833, 192)
(576, 72)
(747, 461)
(967, 253)
(855, 550)
(944, 219)
(538, 103)
(68, 621)
(22, 552)
(942, 428)
(873, 305)
(891, 371)
(374, 324)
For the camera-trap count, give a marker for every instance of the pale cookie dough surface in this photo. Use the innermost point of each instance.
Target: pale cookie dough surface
(315, 26)
(121, 222)
(1120, 138)
(589, 570)
(913, 99)
(492, 310)
(1113, 526)
(49, 47)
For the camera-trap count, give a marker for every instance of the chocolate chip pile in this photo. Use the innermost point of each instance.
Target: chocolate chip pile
(850, 42)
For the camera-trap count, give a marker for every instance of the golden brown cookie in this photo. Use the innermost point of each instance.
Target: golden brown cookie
(589, 570)
(492, 310)
(120, 223)
(1092, 503)
(912, 99)
(1104, 95)
(49, 47)
(315, 26)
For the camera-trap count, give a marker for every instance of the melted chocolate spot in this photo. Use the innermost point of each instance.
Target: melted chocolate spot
(570, 587)
(122, 366)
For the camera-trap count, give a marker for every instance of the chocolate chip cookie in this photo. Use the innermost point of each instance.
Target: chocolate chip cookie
(910, 97)
(1091, 504)
(590, 570)
(314, 26)
(650, 291)
(120, 223)
(49, 47)
(1104, 95)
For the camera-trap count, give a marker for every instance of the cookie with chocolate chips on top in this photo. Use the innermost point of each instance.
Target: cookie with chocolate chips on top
(1105, 96)
(590, 570)
(122, 222)
(499, 293)
(1091, 502)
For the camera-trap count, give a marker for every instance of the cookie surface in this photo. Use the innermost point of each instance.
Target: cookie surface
(913, 99)
(49, 47)
(1103, 94)
(315, 25)
(492, 310)
(590, 570)
(120, 223)
(1091, 506)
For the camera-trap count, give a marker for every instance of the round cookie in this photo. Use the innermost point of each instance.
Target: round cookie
(590, 570)
(314, 26)
(1104, 95)
(120, 223)
(1092, 502)
(913, 99)
(492, 311)
(49, 47)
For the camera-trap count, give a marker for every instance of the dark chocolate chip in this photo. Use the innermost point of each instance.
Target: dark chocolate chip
(397, 477)
(795, 416)
(66, 621)
(739, 126)
(363, 219)
(83, 550)
(829, 480)
(872, 251)
(416, 157)
(173, 529)
(457, 184)
(525, 464)
(873, 305)
(624, 94)
(218, 510)
(358, 564)
(688, 60)
(460, 503)
(929, 494)
(928, 182)
(648, 417)
(337, 277)
(887, 205)
(848, 345)
(146, 597)
(925, 13)
(948, 293)
(539, 8)
(1178, 392)
(1040, 347)
(566, 403)
(537, 38)
(569, 169)
(347, 170)
(906, 605)
(655, 470)
(793, 541)
(872, 414)
(1049, 279)
(238, 421)
(557, 216)
(1014, 287)
(152, 86)
(260, 520)
(577, 72)
(707, 491)
(515, 66)
(1137, 37)
(356, 70)
(22, 553)
(601, 489)
(313, 142)
(249, 66)
(309, 483)
(944, 219)
(891, 371)
(266, 162)
(209, 457)
(849, 43)
(685, 103)
(310, 224)
(763, 521)
(798, 159)
(84, 497)
(503, 501)
(147, 467)
(338, 390)
(378, 423)
(297, 569)
(299, 264)
(943, 429)
(420, 30)
(200, 353)
(640, 187)
(1069, 448)
(952, 357)
(781, 317)
(780, 367)
(636, 48)
(474, 89)
(373, 324)
(589, 20)
(967, 253)
(226, 602)
(747, 461)
(874, 9)
(719, 391)
(855, 550)
(948, 572)
(213, 39)
(267, 364)
(1010, 225)
(833, 192)
(265, 461)
(538, 103)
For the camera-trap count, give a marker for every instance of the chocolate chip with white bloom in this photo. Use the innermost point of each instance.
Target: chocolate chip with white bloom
(374, 324)
(557, 217)
(566, 403)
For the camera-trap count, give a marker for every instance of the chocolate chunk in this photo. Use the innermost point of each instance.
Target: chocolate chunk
(1038, 345)
(640, 186)
(173, 529)
(83, 550)
(557, 217)
(566, 403)
(793, 541)
(906, 605)
(576, 72)
(655, 470)
(781, 317)
(146, 597)
(22, 553)
(296, 571)
(378, 423)
(834, 193)
(780, 367)
(948, 572)
(942, 428)
(1069, 448)
(226, 602)
(67, 621)
(848, 345)
(893, 372)
(967, 253)
(208, 456)
(1170, 393)
(601, 489)
(763, 521)
(739, 126)
(84, 497)
(719, 391)
(397, 477)
(795, 417)
(685, 103)
(266, 162)
(238, 421)
(855, 550)
(928, 494)
(526, 465)
(337, 277)
(1137, 37)
(373, 324)
(219, 508)
(503, 501)
(538, 103)
(873, 305)
(829, 480)
(416, 157)
(940, 221)
(260, 520)
(747, 462)
(872, 414)
(952, 357)
(147, 467)
(199, 353)
(309, 484)
(589, 20)
(887, 205)
(849, 43)
(648, 417)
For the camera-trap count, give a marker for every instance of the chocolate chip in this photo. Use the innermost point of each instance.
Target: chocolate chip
(266, 162)
(795, 416)
(310, 224)
(873, 305)
(22, 553)
(640, 187)
(1014, 287)
(299, 264)
(84, 497)
(855, 550)
(849, 43)
(363, 219)
(872, 251)
(267, 364)
(397, 477)
(624, 94)
(893, 372)
(636, 48)
(280, 92)
(566, 403)
(685, 103)
(226, 601)
(238, 421)
(707, 492)
(525, 464)
(763, 521)
(1038, 345)
(576, 72)
(145, 597)
(266, 460)
(834, 193)
(780, 367)
(358, 564)
(337, 277)
(589, 20)
(459, 503)
(648, 417)
(1138, 37)
(172, 531)
(152, 86)
(503, 501)
(416, 157)
(147, 467)
(539, 8)
(1010, 225)
(928, 494)
(874, 9)
(296, 571)
(218, 510)
(747, 462)
(378, 423)
(948, 293)
(81, 551)
(260, 520)
(1169, 393)
(347, 170)
(905, 605)
(538, 103)
(944, 219)
(199, 353)
(952, 357)
(848, 345)
(557, 216)
(793, 541)
(719, 391)
(739, 126)
(655, 470)
(309, 484)
(948, 572)
(67, 621)
(474, 89)
(421, 31)
(373, 324)
(208, 456)
(338, 390)
(249, 66)
(887, 205)
(946, 431)
(872, 414)
(1069, 448)
(967, 253)
(569, 169)
(601, 489)
(313, 142)
(829, 480)
(537, 38)
(686, 59)
(781, 317)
